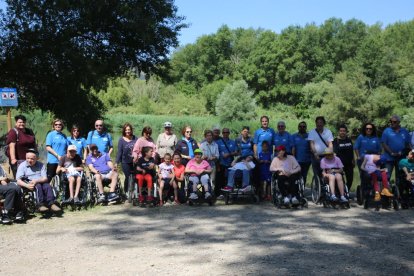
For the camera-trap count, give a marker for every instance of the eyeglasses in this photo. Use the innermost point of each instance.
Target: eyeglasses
(58, 124)
(98, 125)
(188, 131)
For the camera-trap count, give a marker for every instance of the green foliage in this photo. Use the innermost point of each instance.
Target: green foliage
(236, 102)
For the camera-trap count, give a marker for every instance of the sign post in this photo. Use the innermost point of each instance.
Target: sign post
(8, 98)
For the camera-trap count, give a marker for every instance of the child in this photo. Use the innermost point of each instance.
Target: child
(178, 176)
(166, 176)
(146, 171)
(332, 169)
(372, 165)
(265, 158)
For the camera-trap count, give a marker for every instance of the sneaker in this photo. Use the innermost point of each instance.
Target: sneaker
(68, 201)
(43, 209)
(76, 201)
(344, 199)
(112, 197)
(220, 197)
(377, 196)
(295, 201)
(141, 199)
(207, 195)
(5, 219)
(334, 198)
(193, 196)
(227, 189)
(286, 201)
(246, 189)
(386, 192)
(150, 199)
(176, 202)
(54, 208)
(101, 198)
(19, 216)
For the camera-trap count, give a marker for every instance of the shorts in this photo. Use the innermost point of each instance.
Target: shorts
(167, 184)
(107, 175)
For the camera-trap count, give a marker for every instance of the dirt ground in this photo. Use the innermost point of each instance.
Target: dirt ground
(239, 239)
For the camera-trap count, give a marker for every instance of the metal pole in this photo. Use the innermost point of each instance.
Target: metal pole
(9, 122)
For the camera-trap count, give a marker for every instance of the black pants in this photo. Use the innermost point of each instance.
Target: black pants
(349, 174)
(304, 168)
(127, 169)
(221, 176)
(291, 188)
(51, 171)
(12, 195)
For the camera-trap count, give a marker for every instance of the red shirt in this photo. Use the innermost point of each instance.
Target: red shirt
(26, 141)
(178, 171)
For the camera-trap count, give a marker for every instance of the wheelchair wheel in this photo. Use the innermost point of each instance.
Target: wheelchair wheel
(359, 195)
(316, 189)
(395, 199)
(29, 201)
(131, 188)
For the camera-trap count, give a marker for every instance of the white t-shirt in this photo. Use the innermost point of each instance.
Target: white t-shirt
(166, 170)
(319, 144)
(370, 166)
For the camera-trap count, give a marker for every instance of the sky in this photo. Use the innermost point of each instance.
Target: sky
(206, 16)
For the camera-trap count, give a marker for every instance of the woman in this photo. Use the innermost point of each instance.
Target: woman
(187, 145)
(288, 170)
(245, 143)
(265, 133)
(124, 154)
(332, 169)
(166, 141)
(145, 141)
(343, 148)
(78, 141)
(199, 171)
(56, 146)
(19, 140)
(366, 142)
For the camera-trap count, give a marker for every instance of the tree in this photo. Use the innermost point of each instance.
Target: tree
(236, 103)
(54, 52)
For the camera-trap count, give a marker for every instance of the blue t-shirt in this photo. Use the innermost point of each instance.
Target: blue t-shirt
(283, 140)
(245, 147)
(103, 140)
(302, 147)
(396, 141)
(100, 163)
(59, 143)
(261, 135)
(226, 146)
(80, 144)
(265, 174)
(367, 144)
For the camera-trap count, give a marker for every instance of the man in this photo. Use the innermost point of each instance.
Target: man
(227, 150)
(101, 138)
(101, 165)
(12, 199)
(282, 137)
(31, 174)
(320, 139)
(395, 140)
(210, 152)
(216, 133)
(301, 149)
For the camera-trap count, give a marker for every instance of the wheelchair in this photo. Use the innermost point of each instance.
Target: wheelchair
(133, 191)
(61, 187)
(238, 192)
(200, 191)
(321, 193)
(277, 198)
(31, 200)
(94, 192)
(405, 190)
(365, 195)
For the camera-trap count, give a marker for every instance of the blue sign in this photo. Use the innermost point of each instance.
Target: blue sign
(8, 97)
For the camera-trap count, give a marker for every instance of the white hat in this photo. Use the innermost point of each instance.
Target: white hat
(167, 124)
(72, 147)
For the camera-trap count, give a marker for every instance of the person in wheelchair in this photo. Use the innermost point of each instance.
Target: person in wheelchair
(31, 175)
(245, 165)
(332, 169)
(101, 166)
(146, 170)
(199, 171)
(372, 165)
(406, 183)
(166, 177)
(287, 169)
(70, 165)
(12, 195)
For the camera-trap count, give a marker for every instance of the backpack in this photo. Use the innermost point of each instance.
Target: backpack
(7, 147)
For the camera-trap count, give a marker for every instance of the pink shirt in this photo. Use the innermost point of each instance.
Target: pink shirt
(194, 166)
(142, 142)
(288, 165)
(334, 163)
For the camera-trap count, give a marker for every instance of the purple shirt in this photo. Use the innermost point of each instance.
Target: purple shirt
(100, 163)
(334, 163)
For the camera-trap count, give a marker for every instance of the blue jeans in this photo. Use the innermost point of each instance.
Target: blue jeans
(232, 175)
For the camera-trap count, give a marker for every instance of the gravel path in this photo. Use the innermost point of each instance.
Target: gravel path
(240, 239)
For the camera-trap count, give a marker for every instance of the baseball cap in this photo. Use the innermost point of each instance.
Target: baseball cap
(72, 147)
(167, 124)
(328, 151)
(281, 147)
(198, 151)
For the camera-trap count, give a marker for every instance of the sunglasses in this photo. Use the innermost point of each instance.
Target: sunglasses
(393, 122)
(58, 124)
(225, 132)
(188, 131)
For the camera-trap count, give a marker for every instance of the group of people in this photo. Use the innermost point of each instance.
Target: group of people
(214, 159)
